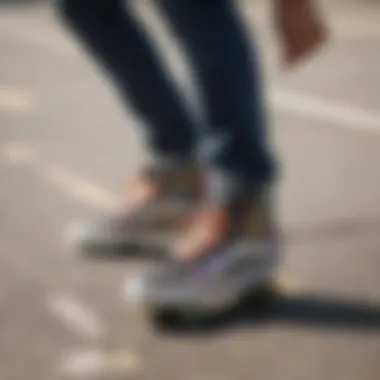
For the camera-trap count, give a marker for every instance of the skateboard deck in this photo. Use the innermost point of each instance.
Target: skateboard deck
(162, 317)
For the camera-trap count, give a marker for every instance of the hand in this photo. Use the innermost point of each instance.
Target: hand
(300, 28)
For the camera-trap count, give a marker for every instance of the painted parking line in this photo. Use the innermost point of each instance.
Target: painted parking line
(76, 186)
(341, 114)
(69, 310)
(90, 362)
(16, 99)
(76, 316)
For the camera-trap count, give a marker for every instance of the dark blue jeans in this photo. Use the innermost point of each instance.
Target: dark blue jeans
(234, 136)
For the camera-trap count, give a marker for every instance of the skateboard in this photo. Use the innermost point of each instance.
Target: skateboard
(166, 318)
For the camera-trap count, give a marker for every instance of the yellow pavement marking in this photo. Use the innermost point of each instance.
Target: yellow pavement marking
(92, 194)
(16, 99)
(288, 285)
(94, 362)
(66, 308)
(71, 183)
(88, 192)
(78, 187)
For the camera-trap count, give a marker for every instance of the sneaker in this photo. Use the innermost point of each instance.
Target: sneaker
(155, 203)
(227, 251)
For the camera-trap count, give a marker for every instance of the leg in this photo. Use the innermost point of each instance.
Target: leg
(110, 33)
(228, 75)
(230, 245)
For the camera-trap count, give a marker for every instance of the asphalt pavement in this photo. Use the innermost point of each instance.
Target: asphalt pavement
(65, 145)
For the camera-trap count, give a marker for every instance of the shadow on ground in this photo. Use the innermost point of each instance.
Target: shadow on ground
(306, 310)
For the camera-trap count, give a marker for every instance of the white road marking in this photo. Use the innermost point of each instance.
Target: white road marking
(314, 107)
(13, 99)
(68, 309)
(78, 187)
(94, 362)
(71, 183)
(74, 315)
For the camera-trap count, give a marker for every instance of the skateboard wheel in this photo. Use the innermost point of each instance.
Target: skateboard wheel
(263, 295)
(162, 318)
(169, 319)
